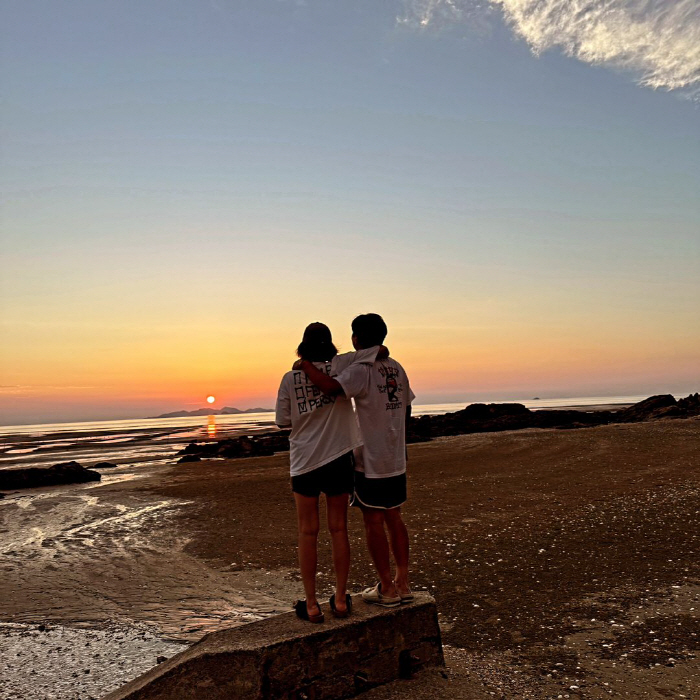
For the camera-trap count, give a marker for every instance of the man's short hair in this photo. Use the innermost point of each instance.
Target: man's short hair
(369, 329)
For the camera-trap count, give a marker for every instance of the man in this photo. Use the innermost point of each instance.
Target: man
(383, 399)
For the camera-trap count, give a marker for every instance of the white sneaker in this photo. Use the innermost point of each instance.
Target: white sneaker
(374, 596)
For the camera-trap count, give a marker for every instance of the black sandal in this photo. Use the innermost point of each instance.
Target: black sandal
(341, 613)
(303, 613)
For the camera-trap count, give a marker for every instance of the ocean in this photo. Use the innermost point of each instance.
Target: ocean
(148, 441)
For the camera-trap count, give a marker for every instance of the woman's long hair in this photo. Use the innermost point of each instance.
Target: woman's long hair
(317, 344)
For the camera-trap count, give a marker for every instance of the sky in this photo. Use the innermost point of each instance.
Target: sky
(512, 184)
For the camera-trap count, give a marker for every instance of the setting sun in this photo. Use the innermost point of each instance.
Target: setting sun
(210, 399)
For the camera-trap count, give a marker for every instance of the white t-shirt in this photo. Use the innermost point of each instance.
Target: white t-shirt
(323, 427)
(382, 393)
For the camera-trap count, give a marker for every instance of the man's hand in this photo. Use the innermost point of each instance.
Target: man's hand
(326, 384)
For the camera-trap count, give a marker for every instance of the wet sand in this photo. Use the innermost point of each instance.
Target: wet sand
(563, 562)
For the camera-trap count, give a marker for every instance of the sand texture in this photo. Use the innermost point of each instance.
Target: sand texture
(564, 563)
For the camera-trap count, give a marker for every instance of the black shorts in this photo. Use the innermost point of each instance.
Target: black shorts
(386, 493)
(333, 479)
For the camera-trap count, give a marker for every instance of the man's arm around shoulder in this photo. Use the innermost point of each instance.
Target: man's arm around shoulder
(328, 385)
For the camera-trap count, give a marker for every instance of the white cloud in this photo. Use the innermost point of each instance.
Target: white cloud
(658, 40)
(421, 13)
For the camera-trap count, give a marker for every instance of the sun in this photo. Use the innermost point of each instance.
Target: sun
(211, 399)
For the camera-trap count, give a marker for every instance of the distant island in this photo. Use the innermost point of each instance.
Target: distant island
(225, 411)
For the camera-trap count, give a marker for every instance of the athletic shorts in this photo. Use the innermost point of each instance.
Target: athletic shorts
(333, 479)
(386, 493)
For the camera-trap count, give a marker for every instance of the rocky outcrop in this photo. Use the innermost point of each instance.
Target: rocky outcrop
(262, 445)
(475, 418)
(189, 458)
(690, 405)
(65, 473)
(489, 418)
(653, 407)
(486, 418)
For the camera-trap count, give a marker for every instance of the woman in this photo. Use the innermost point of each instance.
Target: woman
(324, 434)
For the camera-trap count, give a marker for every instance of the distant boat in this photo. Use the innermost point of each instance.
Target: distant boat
(537, 398)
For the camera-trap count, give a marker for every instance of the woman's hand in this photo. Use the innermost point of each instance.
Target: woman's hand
(297, 365)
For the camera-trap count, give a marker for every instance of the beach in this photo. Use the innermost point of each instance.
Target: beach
(146, 442)
(564, 562)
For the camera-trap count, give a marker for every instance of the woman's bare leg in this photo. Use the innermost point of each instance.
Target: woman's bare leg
(337, 510)
(307, 518)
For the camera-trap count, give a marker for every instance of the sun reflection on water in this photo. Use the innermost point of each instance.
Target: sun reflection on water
(211, 426)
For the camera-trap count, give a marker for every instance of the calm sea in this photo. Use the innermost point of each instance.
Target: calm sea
(143, 441)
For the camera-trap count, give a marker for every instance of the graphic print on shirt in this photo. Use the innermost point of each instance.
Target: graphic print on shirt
(391, 387)
(308, 396)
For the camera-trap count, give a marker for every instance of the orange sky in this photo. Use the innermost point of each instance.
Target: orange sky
(126, 368)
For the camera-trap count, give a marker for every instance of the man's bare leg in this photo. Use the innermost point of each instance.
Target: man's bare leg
(379, 548)
(398, 537)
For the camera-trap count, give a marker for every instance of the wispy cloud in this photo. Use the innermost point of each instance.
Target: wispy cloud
(657, 40)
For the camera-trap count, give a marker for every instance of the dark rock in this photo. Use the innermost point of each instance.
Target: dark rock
(104, 465)
(567, 419)
(484, 418)
(192, 448)
(190, 458)
(690, 405)
(644, 409)
(65, 473)
(262, 445)
(229, 449)
(475, 418)
(413, 437)
(255, 448)
(666, 412)
(481, 411)
(161, 659)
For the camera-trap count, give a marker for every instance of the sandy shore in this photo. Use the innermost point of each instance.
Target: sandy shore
(565, 563)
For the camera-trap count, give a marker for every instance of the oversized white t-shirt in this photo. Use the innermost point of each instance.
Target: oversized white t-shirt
(323, 427)
(381, 392)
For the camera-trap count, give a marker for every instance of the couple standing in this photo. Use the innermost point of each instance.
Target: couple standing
(354, 457)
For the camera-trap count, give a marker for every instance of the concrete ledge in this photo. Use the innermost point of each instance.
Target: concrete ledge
(284, 658)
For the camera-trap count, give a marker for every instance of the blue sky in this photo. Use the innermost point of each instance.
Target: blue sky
(316, 159)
